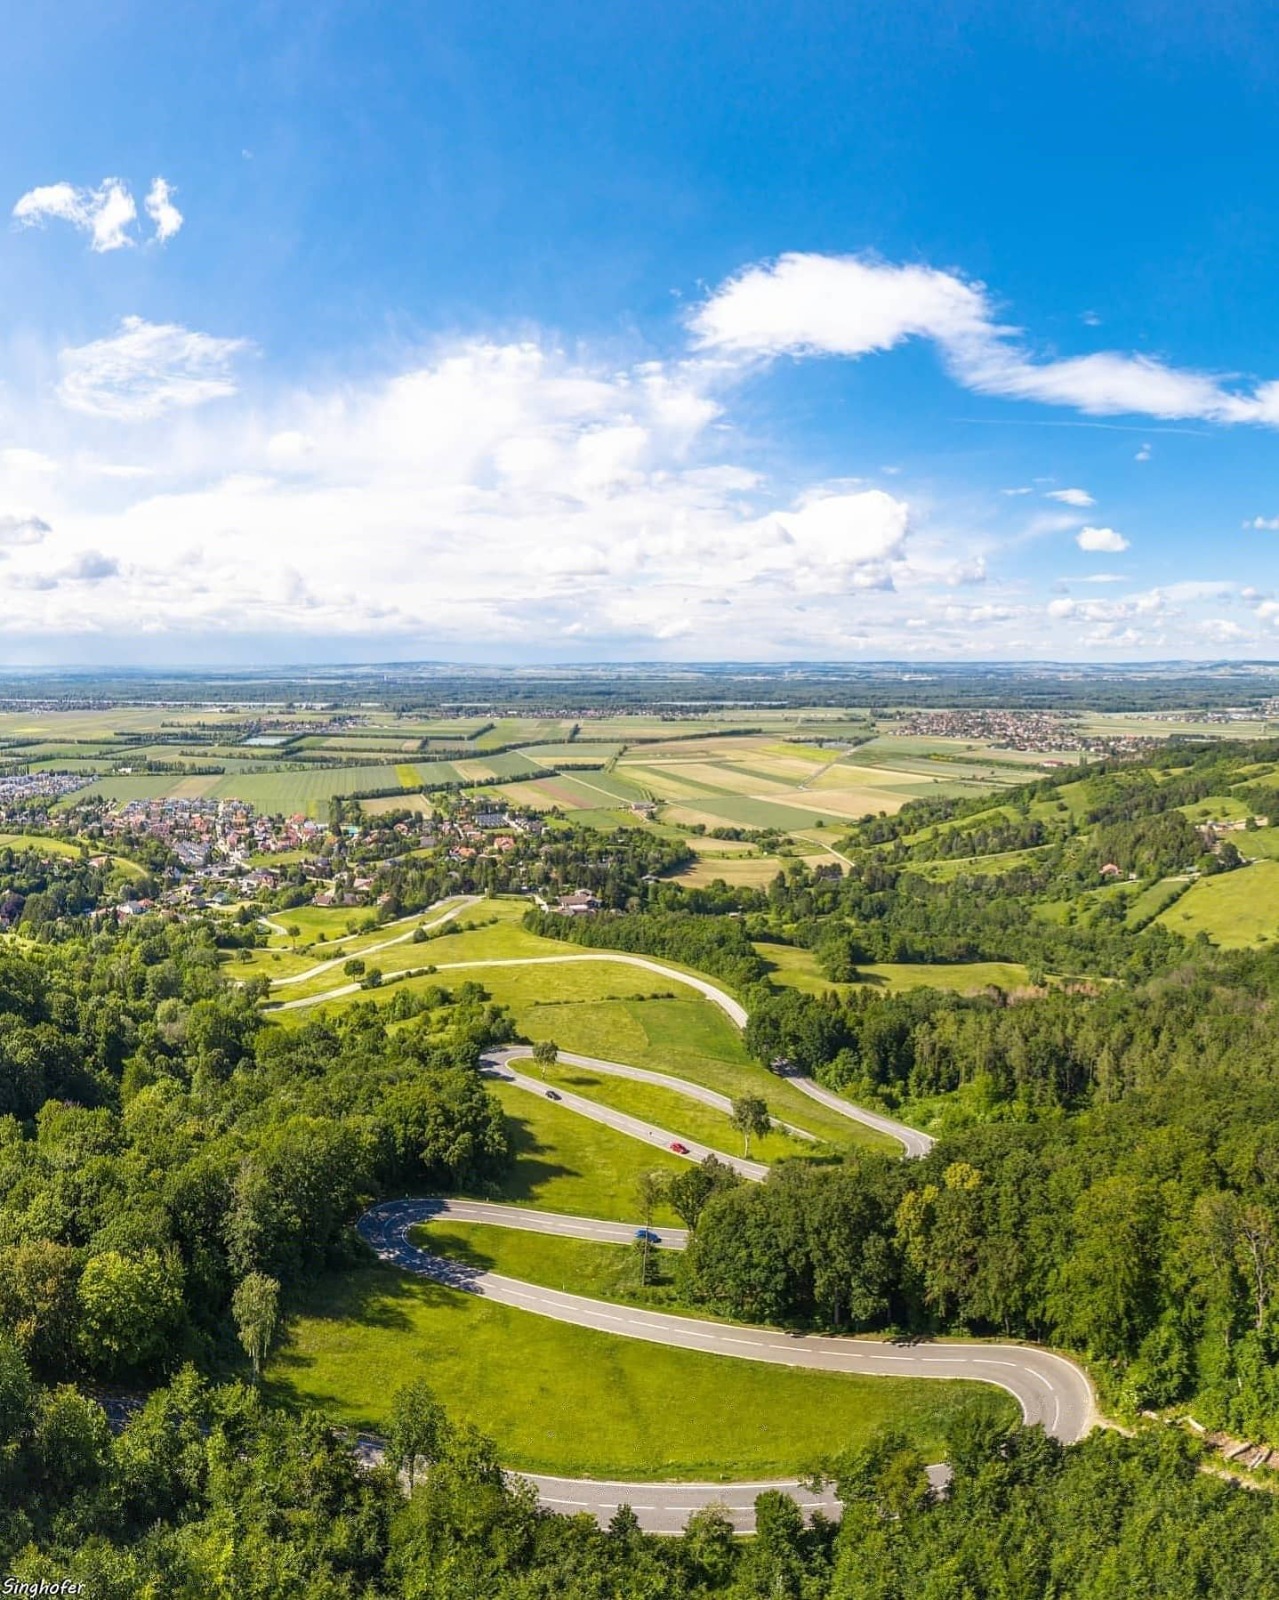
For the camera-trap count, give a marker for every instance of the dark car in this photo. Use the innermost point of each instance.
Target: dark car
(646, 1236)
(678, 1148)
(551, 1095)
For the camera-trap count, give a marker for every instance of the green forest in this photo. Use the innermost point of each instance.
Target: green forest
(177, 1165)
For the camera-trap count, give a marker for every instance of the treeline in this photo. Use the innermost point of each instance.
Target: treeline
(615, 866)
(719, 946)
(1143, 1229)
(160, 1143)
(208, 1494)
(880, 913)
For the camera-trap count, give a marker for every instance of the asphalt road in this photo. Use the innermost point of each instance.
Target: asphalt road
(464, 904)
(915, 1144)
(1049, 1389)
(662, 1080)
(507, 1216)
(635, 1127)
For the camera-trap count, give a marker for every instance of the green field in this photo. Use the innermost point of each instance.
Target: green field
(799, 969)
(530, 1383)
(1234, 908)
(577, 1266)
(566, 1162)
(43, 845)
(667, 1108)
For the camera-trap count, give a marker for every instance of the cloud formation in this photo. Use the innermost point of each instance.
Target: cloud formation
(852, 306)
(162, 211)
(513, 499)
(106, 214)
(1072, 497)
(1105, 540)
(146, 369)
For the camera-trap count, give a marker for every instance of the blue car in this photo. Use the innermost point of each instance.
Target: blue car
(646, 1236)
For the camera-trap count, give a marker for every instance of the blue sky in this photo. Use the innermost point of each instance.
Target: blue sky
(546, 332)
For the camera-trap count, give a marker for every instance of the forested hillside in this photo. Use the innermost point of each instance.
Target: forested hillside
(177, 1166)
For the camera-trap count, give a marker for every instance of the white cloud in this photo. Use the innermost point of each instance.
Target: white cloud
(22, 527)
(1264, 524)
(1143, 454)
(105, 213)
(18, 459)
(146, 369)
(1101, 539)
(509, 500)
(1072, 497)
(162, 211)
(852, 306)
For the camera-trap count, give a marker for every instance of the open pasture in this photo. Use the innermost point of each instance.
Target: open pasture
(799, 969)
(528, 1382)
(1233, 909)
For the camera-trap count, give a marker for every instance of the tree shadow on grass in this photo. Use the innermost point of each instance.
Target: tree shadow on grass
(528, 1173)
(451, 1246)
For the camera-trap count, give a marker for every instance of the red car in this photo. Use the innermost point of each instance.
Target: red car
(679, 1149)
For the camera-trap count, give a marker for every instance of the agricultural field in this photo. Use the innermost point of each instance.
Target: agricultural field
(760, 781)
(1233, 909)
(799, 969)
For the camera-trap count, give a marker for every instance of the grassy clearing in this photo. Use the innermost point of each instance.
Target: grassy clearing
(799, 969)
(666, 1108)
(577, 1266)
(1150, 902)
(964, 866)
(1234, 909)
(531, 1384)
(688, 1039)
(751, 872)
(565, 1162)
(43, 845)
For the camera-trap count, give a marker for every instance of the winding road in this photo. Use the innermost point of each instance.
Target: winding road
(464, 903)
(1049, 1388)
(912, 1141)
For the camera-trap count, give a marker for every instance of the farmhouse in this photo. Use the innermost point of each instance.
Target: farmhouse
(577, 904)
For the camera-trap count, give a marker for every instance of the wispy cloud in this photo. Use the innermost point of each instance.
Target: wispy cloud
(1072, 497)
(106, 214)
(146, 369)
(854, 306)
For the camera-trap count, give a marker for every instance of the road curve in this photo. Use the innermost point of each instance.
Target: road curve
(1049, 1389)
(913, 1142)
(634, 1127)
(660, 1080)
